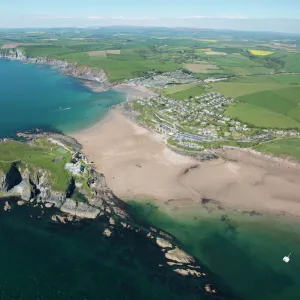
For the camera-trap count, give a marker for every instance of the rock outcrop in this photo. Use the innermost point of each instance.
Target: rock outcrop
(179, 256)
(188, 272)
(163, 243)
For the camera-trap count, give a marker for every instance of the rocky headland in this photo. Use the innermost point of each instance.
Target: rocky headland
(27, 183)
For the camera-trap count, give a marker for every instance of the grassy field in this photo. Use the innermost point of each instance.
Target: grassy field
(117, 67)
(285, 147)
(271, 109)
(178, 88)
(252, 84)
(187, 91)
(237, 89)
(41, 156)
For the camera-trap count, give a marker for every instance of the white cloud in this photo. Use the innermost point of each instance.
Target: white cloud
(95, 18)
(44, 17)
(214, 17)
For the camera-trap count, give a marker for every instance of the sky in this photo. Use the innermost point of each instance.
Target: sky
(261, 15)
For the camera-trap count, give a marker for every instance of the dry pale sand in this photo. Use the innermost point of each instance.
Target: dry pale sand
(138, 165)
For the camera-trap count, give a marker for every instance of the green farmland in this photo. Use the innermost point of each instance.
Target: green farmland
(270, 109)
(285, 147)
(184, 91)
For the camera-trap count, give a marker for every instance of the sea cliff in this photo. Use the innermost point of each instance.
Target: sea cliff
(94, 78)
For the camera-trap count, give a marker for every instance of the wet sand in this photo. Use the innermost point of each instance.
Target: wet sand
(138, 165)
(133, 91)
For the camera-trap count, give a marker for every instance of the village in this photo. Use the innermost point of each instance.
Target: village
(200, 122)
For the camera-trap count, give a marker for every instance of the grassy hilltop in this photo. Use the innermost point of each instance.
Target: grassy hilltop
(41, 154)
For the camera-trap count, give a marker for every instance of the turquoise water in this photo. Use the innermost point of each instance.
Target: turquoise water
(38, 97)
(245, 251)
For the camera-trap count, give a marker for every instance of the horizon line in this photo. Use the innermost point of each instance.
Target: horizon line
(146, 26)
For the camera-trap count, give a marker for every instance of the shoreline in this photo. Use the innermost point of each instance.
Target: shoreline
(138, 166)
(176, 174)
(93, 78)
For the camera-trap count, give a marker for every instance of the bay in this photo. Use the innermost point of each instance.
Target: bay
(34, 96)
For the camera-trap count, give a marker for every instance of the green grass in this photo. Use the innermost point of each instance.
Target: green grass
(178, 88)
(285, 147)
(185, 94)
(118, 70)
(40, 156)
(260, 117)
(252, 84)
(272, 109)
(234, 60)
(49, 51)
(236, 89)
(277, 101)
(292, 62)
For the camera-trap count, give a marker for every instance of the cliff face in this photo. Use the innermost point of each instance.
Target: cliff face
(34, 185)
(94, 78)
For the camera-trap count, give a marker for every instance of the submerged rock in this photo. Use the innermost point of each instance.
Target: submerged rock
(107, 232)
(209, 289)
(7, 207)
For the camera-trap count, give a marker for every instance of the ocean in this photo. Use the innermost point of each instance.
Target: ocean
(35, 96)
(40, 260)
(244, 250)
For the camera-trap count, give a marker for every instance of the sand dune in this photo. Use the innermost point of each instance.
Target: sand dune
(138, 165)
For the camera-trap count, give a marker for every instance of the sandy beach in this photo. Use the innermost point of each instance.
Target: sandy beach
(138, 165)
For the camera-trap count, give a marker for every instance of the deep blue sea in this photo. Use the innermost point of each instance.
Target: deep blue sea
(35, 96)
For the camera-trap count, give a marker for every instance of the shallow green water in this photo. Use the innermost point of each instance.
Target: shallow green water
(42, 260)
(34, 96)
(246, 252)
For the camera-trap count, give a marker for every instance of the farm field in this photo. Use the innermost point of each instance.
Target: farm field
(284, 147)
(260, 52)
(237, 89)
(200, 68)
(269, 109)
(178, 88)
(195, 90)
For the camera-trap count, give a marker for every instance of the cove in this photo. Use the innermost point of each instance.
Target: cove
(35, 96)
